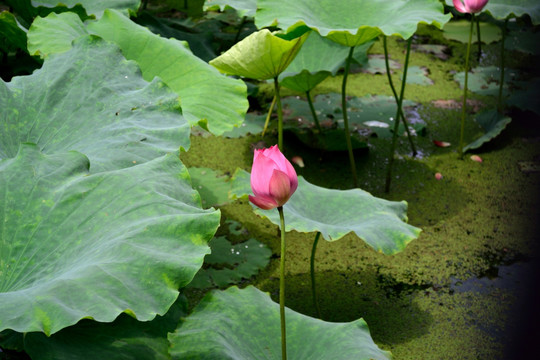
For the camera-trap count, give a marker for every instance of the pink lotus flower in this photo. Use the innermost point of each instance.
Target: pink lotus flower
(273, 179)
(469, 6)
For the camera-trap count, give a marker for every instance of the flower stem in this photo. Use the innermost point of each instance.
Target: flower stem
(396, 123)
(282, 287)
(279, 114)
(479, 40)
(345, 117)
(400, 109)
(501, 80)
(312, 108)
(312, 267)
(464, 108)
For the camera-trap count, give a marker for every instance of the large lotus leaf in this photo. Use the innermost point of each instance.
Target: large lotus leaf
(229, 264)
(459, 31)
(262, 55)
(351, 22)
(317, 59)
(79, 246)
(123, 339)
(502, 9)
(13, 35)
(243, 324)
(493, 123)
(93, 7)
(198, 84)
(242, 7)
(379, 222)
(90, 99)
(54, 33)
(201, 42)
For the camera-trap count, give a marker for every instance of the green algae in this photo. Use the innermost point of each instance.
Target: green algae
(477, 216)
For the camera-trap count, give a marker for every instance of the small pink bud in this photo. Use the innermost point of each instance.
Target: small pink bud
(469, 6)
(441, 143)
(438, 176)
(273, 179)
(298, 161)
(476, 158)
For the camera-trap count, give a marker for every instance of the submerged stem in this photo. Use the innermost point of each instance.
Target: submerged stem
(282, 287)
(312, 108)
(345, 117)
(478, 38)
(400, 109)
(464, 107)
(501, 80)
(396, 124)
(279, 114)
(312, 268)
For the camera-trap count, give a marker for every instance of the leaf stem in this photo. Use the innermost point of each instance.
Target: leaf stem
(312, 268)
(269, 115)
(242, 23)
(282, 287)
(315, 118)
(345, 117)
(279, 113)
(400, 109)
(396, 123)
(464, 107)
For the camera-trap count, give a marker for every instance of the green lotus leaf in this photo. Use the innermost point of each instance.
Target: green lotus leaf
(317, 59)
(197, 83)
(123, 339)
(367, 115)
(243, 324)
(493, 124)
(351, 22)
(262, 55)
(202, 42)
(212, 185)
(242, 7)
(90, 99)
(379, 222)
(14, 35)
(79, 246)
(502, 9)
(27, 10)
(459, 31)
(54, 33)
(485, 80)
(93, 7)
(418, 75)
(229, 264)
(523, 98)
(253, 124)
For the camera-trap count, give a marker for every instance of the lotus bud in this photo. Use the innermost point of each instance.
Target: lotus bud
(273, 179)
(469, 6)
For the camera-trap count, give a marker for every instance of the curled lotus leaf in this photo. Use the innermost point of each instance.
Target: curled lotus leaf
(262, 55)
